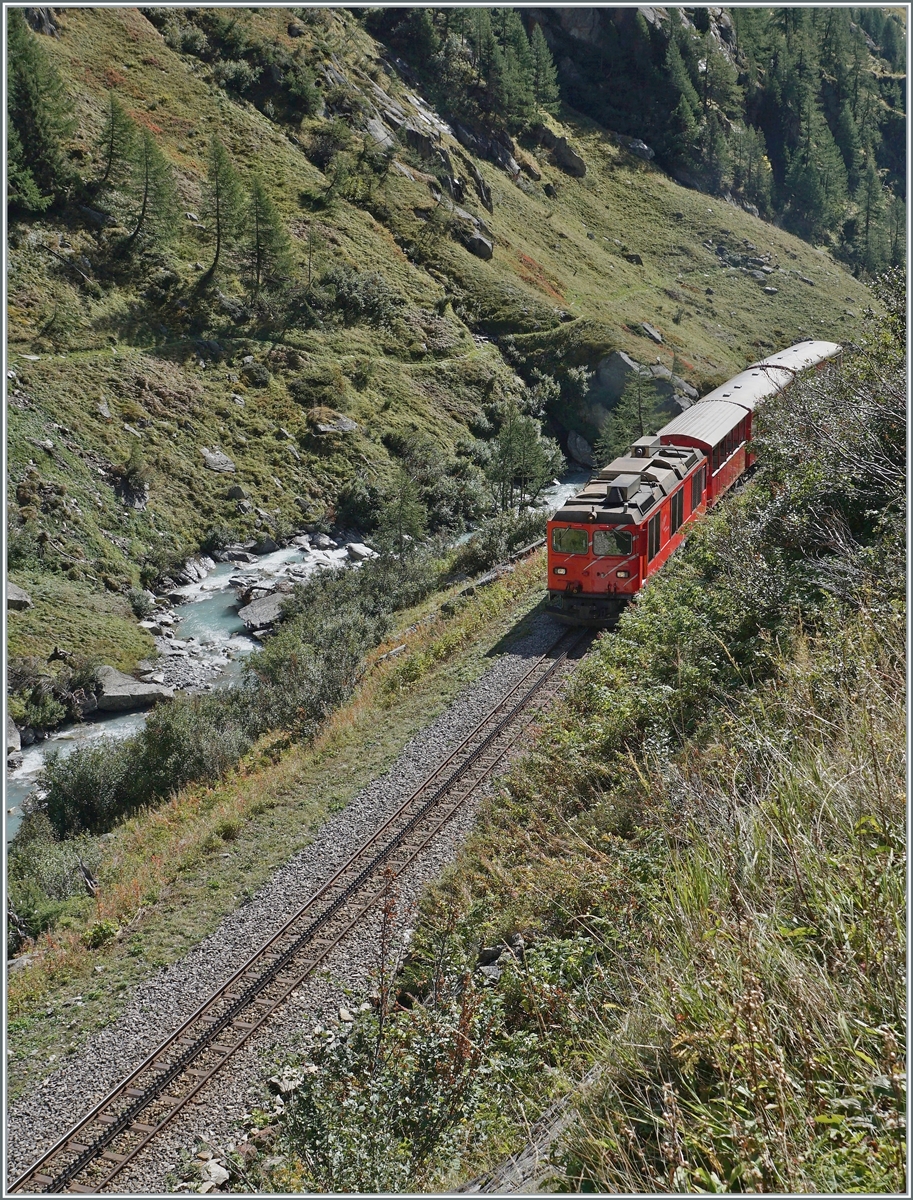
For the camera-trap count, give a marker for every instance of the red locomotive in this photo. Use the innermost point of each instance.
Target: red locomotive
(619, 530)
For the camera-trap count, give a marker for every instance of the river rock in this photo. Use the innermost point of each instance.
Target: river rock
(123, 693)
(580, 449)
(16, 597)
(320, 541)
(215, 460)
(260, 614)
(265, 545)
(13, 740)
(358, 551)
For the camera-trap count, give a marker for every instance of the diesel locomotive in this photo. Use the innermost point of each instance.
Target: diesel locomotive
(613, 535)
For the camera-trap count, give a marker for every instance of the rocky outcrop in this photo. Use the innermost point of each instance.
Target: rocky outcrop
(16, 597)
(263, 613)
(13, 740)
(478, 245)
(123, 693)
(580, 449)
(215, 460)
(567, 159)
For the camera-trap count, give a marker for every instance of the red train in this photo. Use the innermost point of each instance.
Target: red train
(619, 530)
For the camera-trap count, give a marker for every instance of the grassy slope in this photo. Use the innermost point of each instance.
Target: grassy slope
(426, 374)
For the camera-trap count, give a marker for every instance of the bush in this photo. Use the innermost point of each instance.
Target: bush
(235, 75)
(362, 296)
(496, 538)
(141, 603)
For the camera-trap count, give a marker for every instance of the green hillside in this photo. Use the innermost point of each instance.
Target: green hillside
(129, 360)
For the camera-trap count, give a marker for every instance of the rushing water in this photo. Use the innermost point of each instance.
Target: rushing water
(208, 616)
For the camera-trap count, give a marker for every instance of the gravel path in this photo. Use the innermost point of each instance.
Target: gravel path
(38, 1119)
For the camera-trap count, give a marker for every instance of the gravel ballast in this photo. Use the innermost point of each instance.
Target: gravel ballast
(158, 1005)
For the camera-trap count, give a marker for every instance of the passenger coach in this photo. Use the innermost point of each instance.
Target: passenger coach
(613, 535)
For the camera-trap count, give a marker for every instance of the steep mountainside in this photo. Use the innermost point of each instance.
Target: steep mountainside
(160, 398)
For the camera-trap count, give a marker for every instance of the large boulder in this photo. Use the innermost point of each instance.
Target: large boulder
(262, 613)
(567, 159)
(13, 741)
(16, 597)
(215, 460)
(123, 693)
(580, 449)
(480, 246)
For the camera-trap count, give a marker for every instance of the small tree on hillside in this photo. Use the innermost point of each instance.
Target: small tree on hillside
(545, 75)
(267, 249)
(116, 143)
(638, 414)
(224, 206)
(522, 462)
(403, 520)
(154, 195)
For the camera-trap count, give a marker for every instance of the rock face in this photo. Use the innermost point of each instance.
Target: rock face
(566, 158)
(16, 597)
(262, 613)
(215, 460)
(340, 425)
(580, 449)
(480, 246)
(123, 693)
(13, 741)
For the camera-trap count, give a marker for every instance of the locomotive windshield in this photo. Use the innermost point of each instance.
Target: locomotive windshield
(612, 542)
(570, 541)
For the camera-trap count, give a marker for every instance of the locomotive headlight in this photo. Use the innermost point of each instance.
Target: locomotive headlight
(622, 574)
(560, 570)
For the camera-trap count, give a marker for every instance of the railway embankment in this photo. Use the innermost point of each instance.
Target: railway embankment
(682, 914)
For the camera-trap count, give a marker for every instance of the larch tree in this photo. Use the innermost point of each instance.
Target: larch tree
(39, 120)
(545, 75)
(154, 194)
(224, 202)
(116, 143)
(267, 248)
(637, 414)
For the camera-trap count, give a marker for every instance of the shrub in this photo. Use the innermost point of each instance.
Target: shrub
(362, 296)
(99, 933)
(235, 75)
(495, 539)
(141, 603)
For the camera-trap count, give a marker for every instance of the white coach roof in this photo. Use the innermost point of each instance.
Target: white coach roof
(772, 374)
(708, 421)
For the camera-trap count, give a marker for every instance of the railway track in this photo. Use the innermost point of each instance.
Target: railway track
(94, 1151)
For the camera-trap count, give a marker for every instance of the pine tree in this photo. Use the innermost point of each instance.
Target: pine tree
(116, 143)
(39, 112)
(545, 75)
(224, 201)
(267, 252)
(872, 247)
(637, 414)
(522, 461)
(403, 520)
(154, 195)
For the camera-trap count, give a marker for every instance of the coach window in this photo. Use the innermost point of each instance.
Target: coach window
(612, 542)
(697, 488)
(570, 541)
(677, 510)
(653, 538)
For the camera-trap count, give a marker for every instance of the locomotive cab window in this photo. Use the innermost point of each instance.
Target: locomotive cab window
(612, 542)
(570, 541)
(653, 538)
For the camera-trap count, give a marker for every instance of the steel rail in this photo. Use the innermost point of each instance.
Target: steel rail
(126, 1120)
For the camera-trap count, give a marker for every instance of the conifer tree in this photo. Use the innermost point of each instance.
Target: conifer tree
(41, 115)
(267, 251)
(116, 143)
(544, 73)
(224, 202)
(154, 195)
(637, 414)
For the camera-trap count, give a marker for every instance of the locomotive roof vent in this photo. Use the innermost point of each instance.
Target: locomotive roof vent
(622, 489)
(645, 447)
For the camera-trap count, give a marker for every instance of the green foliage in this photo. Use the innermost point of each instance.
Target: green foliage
(385, 1107)
(40, 119)
(224, 206)
(267, 249)
(496, 537)
(546, 92)
(152, 193)
(43, 873)
(403, 519)
(522, 461)
(361, 296)
(117, 144)
(639, 412)
(99, 933)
